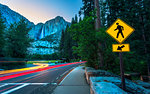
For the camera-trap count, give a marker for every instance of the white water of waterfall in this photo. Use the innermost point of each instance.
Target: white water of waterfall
(42, 33)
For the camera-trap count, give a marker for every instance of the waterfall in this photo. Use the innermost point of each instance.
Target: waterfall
(42, 33)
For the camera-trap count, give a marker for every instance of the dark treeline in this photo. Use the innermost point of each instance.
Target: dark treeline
(2, 40)
(14, 40)
(67, 43)
(134, 12)
(53, 56)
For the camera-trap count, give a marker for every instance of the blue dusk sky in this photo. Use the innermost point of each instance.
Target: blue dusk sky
(43, 10)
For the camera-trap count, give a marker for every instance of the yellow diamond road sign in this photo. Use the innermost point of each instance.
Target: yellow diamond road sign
(121, 48)
(119, 30)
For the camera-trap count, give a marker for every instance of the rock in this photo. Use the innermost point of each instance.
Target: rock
(130, 86)
(115, 80)
(144, 84)
(96, 76)
(106, 88)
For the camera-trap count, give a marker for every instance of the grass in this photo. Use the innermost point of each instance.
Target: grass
(45, 61)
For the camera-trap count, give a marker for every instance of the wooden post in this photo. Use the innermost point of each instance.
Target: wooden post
(122, 71)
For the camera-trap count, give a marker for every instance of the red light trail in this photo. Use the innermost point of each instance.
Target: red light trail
(33, 71)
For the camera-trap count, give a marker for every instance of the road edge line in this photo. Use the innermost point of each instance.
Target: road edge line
(66, 75)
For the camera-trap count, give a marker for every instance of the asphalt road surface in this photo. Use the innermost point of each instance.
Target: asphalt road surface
(30, 83)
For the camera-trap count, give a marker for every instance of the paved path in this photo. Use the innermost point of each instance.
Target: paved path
(73, 83)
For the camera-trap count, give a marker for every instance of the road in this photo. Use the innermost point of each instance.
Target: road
(29, 83)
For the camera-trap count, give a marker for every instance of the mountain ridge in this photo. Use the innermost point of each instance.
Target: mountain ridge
(51, 28)
(6, 11)
(52, 20)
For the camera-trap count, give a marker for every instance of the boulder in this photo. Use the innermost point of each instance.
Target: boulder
(106, 88)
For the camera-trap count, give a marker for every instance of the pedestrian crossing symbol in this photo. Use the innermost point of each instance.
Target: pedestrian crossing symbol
(120, 30)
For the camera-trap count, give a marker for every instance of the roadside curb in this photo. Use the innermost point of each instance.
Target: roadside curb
(73, 83)
(64, 75)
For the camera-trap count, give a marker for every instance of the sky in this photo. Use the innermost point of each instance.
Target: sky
(38, 11)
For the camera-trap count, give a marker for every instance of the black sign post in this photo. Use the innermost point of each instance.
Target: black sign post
(122, 71)
(123, 32)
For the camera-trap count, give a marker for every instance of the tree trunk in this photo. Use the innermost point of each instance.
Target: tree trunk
(98, 26)
(98, 20)
(145, 47)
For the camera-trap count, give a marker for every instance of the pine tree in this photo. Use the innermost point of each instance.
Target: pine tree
(73, 21)
(61, 45)
(135, 13)
(67, 43)
(2, 39)
(80, 19)
(17, 40)
(76, 18)
(84, 35)
(88, 6)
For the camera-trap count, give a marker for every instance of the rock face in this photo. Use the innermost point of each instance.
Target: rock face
(11, 16)
(54, 26)
(41, 47)
(46, 36)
